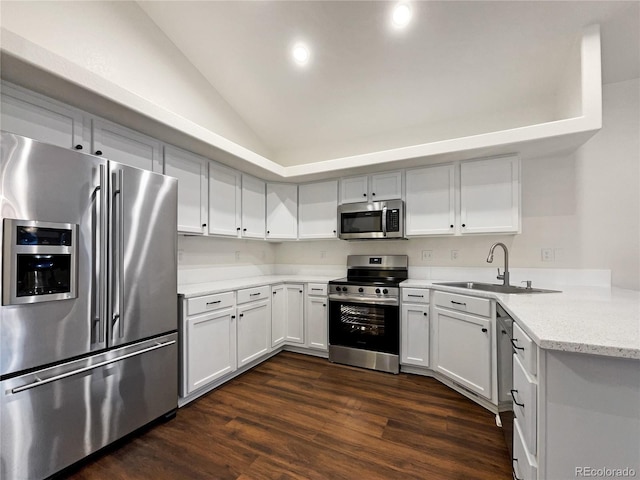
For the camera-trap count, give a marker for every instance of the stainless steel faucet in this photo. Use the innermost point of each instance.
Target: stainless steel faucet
(505, 276)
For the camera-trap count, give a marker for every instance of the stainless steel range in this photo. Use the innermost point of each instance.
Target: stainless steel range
(364, 312)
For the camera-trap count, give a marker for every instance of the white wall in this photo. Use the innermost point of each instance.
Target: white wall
(585, 206)
(118, 42)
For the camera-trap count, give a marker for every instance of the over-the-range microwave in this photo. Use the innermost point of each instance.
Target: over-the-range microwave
(375, 220)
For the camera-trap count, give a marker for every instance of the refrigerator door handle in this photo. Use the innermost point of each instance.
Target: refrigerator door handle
(118, 264)
(55, 378)
(101, 300)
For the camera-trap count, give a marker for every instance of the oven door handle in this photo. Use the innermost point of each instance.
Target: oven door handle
(363, 301)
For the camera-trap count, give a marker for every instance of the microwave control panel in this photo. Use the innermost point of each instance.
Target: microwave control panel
(393, 220)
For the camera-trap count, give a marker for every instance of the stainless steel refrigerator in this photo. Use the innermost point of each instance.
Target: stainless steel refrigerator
(88, 321)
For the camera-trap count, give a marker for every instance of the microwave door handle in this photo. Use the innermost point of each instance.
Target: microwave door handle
(384, 221)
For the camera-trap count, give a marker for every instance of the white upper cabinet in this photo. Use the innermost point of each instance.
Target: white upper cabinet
(34, 116)
(225, 199)
(371, 188)
(318, 210)
(191, 172)
(282, 211)
(430, 205)
(490, 195)
(126, 146)
(253, 207)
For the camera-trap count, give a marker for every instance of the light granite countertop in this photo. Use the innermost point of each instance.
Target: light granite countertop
(208, 288)
(595, 320)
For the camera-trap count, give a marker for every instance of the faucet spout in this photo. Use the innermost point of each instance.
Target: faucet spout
(505, 276)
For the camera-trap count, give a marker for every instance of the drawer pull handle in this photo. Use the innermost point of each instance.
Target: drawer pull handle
(418, 296)
(213, 303)
(458, 303)
(316, 289)
(515, 477)
(513, 392)
(254, 294)
(324, 304)
(484, 330)
(515, 347)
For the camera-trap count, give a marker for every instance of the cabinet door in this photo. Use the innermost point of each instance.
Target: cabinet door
(414, 346)
(385, 186)
(430, 201)
(211, 347)
(31, 115)
(254, 331)
(282, 211)
(278, 315)
(295, 314)
(490, 196)
(126, 146)
(253, 207)
(224, 200)
(191, 172)
(317, 323)
(318, 210)
(463, 350)
(354, 189)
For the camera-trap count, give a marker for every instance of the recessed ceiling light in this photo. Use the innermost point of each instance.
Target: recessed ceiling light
(300, 54)
(401, 15)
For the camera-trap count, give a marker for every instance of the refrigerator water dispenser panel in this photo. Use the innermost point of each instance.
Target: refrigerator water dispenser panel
(40, 261)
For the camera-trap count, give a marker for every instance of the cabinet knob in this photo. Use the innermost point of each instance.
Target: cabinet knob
(373, 194)
(484, 330)
(334, 231)
(98, 152)
(450, 226)
(204, 224)
(78, 147)
(275, 293)
(244, 229)
(241, 315)
(425, 314)
(324, 304)
(364, 194)
(464, 224)
(268, 232)
(238, 229)
(300, 291)
(232, 317)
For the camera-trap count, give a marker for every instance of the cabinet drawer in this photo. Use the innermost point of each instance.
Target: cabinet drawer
(319, 289)
(463, 303)
(524, 464)
(251, 294)
(207, 303)
(525, 350)
(525, 404)
(415, 295)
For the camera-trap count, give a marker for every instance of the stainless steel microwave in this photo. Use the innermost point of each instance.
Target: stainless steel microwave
(375, 220)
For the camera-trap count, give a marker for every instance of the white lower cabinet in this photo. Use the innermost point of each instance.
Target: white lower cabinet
(317, 317)
(414, 327)
(287, 314)
(278, 315)
(254, 325)
(523, 463)
(210, 347)
(462, 341)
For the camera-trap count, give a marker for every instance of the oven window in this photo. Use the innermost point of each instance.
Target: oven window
(39, 274)
(370, 327)
(361, 222)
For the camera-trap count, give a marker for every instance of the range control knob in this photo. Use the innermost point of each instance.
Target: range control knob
(338, 289)
(361, 289)
(385, 291)
(344, 289)
(377, 290)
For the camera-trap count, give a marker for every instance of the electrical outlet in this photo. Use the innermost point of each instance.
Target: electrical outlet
(547, 254)
(427, 255)
(454, 254)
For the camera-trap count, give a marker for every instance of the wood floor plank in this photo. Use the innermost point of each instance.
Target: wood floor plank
(299, 417)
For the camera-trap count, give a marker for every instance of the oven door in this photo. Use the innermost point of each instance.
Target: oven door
(364, 325)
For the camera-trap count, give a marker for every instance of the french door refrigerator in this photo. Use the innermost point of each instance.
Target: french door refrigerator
(88, 321)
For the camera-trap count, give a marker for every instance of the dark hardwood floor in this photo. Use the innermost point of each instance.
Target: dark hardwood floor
(301, 417)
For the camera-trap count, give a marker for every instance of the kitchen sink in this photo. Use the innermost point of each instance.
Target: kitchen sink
(489, 287)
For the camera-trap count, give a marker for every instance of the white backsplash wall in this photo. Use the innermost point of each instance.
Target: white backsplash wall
(206, 259)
